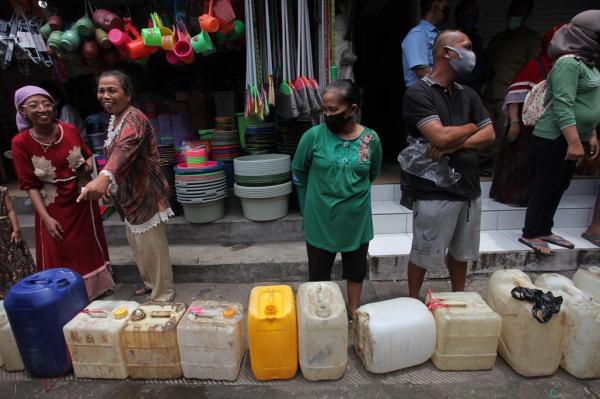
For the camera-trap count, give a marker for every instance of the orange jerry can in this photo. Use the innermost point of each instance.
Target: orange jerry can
(272, 333)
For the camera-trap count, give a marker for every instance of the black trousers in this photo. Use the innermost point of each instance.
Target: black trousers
(553, 175)
(320, 263)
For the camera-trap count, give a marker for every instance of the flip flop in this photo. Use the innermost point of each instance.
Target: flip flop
(142, 291)
(594, 239)
(561, 242)
(536, 246)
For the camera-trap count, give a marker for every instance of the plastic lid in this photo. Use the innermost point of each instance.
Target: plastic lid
(120, 312)
(229, 313)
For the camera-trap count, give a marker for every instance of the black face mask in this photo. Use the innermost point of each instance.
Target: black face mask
(336, 122)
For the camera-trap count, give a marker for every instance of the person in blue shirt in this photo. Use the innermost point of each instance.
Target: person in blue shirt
(417, 46)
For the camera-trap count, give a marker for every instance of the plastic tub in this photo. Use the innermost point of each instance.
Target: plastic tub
(467, 332)
(322, 331)
(263, 191)
(265, 209)
(94, 342)
(588, 280)
(394, 334)
(211, 340)
(581, 355)
(204, 212)
(531, 348)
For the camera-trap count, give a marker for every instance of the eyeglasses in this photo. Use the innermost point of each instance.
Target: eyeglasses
(34, 106)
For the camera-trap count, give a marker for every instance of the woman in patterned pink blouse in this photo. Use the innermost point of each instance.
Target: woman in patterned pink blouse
(52, 164)
(132, 175)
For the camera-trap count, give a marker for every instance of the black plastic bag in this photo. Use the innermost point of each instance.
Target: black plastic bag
(545, 304)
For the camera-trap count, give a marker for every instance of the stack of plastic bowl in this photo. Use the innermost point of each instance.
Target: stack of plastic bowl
(201, 191)
(196, 157)
(263, 183)
(167, 155)
(261, 139)
(290, 133)
(225, 147)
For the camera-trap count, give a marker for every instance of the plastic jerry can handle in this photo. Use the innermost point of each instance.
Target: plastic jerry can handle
(160, 314)
(62, 283)
(42, 281)
(322, 308)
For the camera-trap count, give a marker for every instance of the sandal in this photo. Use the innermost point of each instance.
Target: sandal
(537, 247)
(594, 239)
(558, 240)
(142, 291)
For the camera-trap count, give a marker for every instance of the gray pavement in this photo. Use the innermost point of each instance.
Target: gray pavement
(423, 381)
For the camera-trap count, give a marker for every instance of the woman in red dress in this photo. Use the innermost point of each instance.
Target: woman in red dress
(52, 164)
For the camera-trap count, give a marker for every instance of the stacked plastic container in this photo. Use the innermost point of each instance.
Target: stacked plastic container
(263, 183)
(467, 331)
(322, 331)
(531, 348)
(38, 307)
(9, 351)
(581, 355)
(201, 191)
(588, 280)
(211, 340)
(150, 340)
(93, 338)
(395, 334)
(272, 333)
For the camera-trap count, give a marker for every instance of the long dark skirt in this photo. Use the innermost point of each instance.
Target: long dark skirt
(515, 170)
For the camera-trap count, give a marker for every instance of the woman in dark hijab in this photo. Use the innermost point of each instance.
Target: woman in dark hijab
(567, 126)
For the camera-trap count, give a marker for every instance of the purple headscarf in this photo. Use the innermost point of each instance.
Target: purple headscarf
(23, 94)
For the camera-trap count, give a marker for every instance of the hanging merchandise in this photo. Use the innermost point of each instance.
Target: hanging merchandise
(333, 67)
(208, 22)
(107, 20)
(203, 44)
(20, 38)
(270, 81)
(223, 11)
(154, 36)
(183, 48)
(255, 104)
(286, 101)
(84, 26)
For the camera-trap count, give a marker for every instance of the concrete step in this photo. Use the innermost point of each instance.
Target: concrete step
(499, 249)
(234, 228)
(388, 259)
(389, 217)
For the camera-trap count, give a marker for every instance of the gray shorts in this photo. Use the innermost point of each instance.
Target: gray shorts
(441, 226)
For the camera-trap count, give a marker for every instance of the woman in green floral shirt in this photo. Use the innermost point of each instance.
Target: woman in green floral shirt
(335, 164)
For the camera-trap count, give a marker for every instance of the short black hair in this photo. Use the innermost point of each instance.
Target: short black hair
(426, 6)
(122, 77)
(347, 90)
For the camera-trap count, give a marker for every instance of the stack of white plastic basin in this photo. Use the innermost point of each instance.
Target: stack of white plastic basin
(263, 183)
(201, 192)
